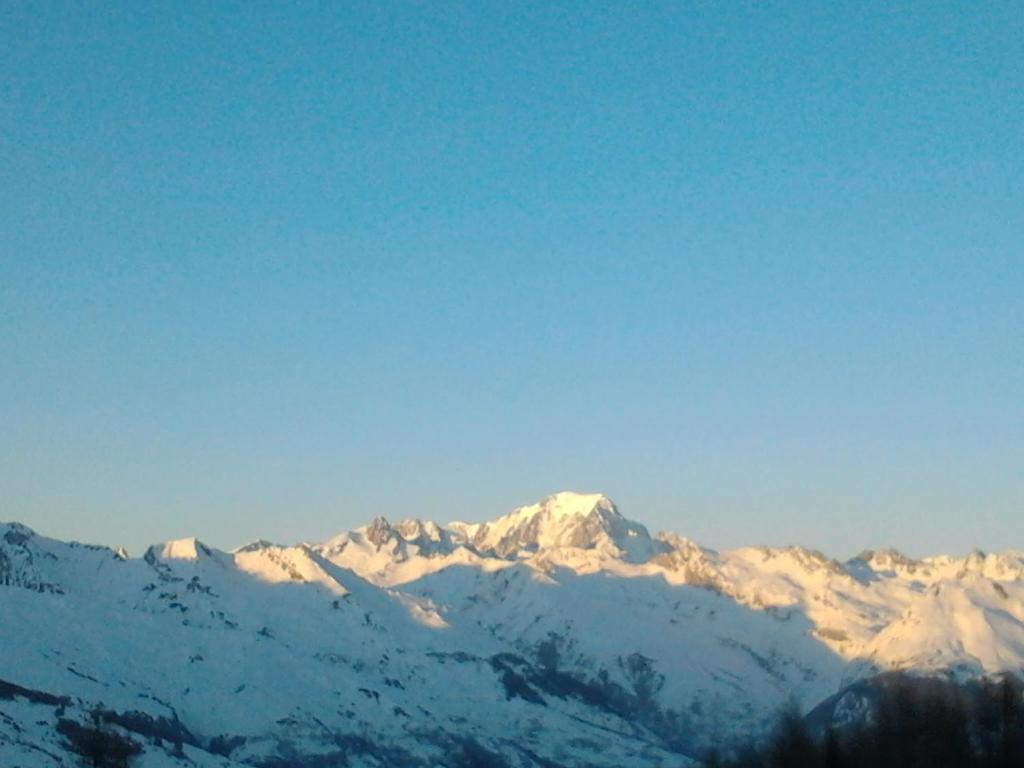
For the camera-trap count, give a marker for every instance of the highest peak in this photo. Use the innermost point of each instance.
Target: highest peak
(564, 520)
(569, 504)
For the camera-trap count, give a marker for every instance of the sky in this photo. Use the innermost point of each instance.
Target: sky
(753, 270)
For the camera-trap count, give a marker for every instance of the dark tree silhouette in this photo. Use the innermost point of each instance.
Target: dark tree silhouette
(914, 723)
(792, 744)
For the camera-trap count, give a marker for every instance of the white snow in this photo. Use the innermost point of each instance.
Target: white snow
(373, 631)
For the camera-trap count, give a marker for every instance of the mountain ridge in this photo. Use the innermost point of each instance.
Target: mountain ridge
(566, 620)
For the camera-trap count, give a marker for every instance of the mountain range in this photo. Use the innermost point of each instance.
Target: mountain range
(561, 634)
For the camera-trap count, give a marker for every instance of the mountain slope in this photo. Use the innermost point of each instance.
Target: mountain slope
(562, 634)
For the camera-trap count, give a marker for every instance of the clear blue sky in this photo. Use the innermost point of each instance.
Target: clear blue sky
(753, 270)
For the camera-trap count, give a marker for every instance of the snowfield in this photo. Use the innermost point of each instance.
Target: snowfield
(562, 634)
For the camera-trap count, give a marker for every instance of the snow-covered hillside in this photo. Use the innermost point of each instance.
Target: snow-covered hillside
(562, 634)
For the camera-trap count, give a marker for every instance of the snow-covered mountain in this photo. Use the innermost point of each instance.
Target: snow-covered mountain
(562, 634)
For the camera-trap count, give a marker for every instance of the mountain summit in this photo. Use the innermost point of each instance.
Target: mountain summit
(566, 519)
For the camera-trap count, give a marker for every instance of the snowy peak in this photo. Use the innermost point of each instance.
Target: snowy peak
(41, 564)
(564, 520)
(402, 540)
(256, 546)
(16, 533)
(564, 523)
(379, 532)
(1004, 566)
(18, 559)
(277, 565)
(890, 562)
(180, 549)
(567, 505)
